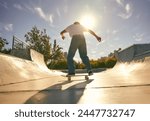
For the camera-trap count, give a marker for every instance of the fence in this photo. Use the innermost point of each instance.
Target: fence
(20, 49)
(18, 44)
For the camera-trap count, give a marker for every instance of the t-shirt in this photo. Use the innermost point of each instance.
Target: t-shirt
(76, 29)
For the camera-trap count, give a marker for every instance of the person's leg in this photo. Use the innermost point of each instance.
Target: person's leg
(72, 50)
(83, 54)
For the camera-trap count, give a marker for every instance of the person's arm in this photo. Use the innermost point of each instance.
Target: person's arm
(62, 34)
(93, 33)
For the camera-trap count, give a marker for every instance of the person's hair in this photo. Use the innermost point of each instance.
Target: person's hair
(76, 22)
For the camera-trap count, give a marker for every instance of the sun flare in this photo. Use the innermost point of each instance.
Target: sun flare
(88, 21)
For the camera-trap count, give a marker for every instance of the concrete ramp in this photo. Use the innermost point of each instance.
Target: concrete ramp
(133, 53)
(31, 82)
(13, 69)
(38, 59)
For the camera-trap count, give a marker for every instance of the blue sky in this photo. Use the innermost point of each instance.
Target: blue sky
(120, 23)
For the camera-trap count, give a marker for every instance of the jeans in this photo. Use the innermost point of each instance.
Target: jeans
(77, 42)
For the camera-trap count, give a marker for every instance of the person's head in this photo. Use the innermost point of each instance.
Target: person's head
(76, 22)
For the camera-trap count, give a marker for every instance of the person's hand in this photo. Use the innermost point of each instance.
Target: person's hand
(63, 37)
(98, 38)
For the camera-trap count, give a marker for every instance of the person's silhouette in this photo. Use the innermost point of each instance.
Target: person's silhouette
(76, 31)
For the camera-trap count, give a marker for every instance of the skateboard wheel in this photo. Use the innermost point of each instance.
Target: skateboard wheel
(69, 78)
(86, 78)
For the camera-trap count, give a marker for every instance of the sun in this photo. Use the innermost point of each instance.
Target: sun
(88, 21)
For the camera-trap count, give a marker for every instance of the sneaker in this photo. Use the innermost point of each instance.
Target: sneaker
(90, 73)
(70, 74)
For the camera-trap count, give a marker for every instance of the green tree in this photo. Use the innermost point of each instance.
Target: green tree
(110, 62)
(56, 53)
(3, 42)
(40, 41)
(61, 64)
(56, 57)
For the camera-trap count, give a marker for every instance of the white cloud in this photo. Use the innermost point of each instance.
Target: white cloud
(18, 6)
(8, 27)
(58, 12)
(46, 17)
(120, 2)
(125, 15)
(112, 32)
(138, 37)
(51, 18)
(29, 8)
(128, 10)
(36, 10)
(40, 12)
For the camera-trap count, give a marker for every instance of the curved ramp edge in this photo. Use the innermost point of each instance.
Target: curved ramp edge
(14, 69)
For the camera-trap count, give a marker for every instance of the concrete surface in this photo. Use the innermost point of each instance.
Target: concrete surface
(15, 70)
(30, 82)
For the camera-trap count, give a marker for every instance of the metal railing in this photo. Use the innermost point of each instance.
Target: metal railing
(18, 44)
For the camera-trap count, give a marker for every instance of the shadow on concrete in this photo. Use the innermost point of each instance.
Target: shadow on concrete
(55, 94)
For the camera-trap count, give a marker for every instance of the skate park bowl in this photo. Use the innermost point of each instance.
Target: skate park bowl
(31, 82)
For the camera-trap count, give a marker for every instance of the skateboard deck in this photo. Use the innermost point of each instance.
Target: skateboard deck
(86, 76)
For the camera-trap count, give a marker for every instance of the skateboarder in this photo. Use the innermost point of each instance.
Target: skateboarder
(76, 31)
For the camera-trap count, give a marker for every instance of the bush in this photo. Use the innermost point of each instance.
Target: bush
(100, 63)
(79, 65)
(61, 64)
(110, 62)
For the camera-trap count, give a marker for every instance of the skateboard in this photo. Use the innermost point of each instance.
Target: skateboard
(86, 76)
